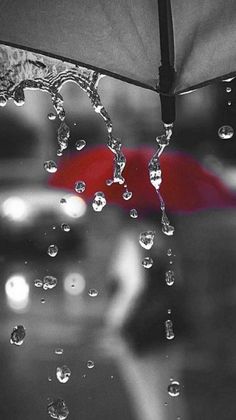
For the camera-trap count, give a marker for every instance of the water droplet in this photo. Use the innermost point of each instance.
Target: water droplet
(155, 172)
(80, 144)
(18, 335)
(49, 282)
(133, 213)
(174, 389)
(38, 283)
(90, 364)
(63, 374)
(167, 229)
(147, 262)
(169, 329)
(109, 182)
(169, 252)
(59, 351)
(146, 239)
(92, 292)
(170, 277)
(65, 227)
(3, 100)
(99, 201)
(59, 152)
(169, 311)
(80, 186)
(228, 89)
(51, 116)
(58, 409)
(49, 379)
(63, 201)
(52, 250)
(50, 166)
(43, 300)
(163, 140)
(226, 132)
(127, 195)
(229, 103)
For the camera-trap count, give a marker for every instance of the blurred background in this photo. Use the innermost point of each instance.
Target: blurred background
(106, 308)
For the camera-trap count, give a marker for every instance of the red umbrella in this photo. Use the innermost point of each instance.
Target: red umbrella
(187, 186)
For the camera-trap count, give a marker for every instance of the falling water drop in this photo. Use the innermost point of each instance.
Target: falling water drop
(49, 282)
(127, 195)
(133, 213)
(51, 116)
(59, 351)
(170, 277)
(42, 300)
(3, 101)
(63, 201)
(228, 89)
(18, 335)
(65, 227)
(58, 409)
(63, 374)
(99, 201)
(174, 389)
(80, 186)
(147, 262)
(169, 252)
(90, 364)
(59, 152)
(52, 250)
(92, 292)
(38, 283)
(167, 229)
(80, 144)
(169, 329)
(50, 166)
(146, 239)
(226, 132)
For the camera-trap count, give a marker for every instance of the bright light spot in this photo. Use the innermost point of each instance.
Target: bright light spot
(74, 206)
(15, 209)
(74, 284)
(17, 291)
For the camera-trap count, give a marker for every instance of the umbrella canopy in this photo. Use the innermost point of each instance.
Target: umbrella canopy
(187, 185)
(122, 38)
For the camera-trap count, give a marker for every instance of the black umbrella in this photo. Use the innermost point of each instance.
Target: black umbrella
(163, 45)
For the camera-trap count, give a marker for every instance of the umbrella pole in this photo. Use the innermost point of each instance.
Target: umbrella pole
(166, 70)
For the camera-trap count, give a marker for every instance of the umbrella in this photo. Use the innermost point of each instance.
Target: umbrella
(163, 45)
(187, 185)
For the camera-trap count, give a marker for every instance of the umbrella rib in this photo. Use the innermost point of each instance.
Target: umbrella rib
(166, 70)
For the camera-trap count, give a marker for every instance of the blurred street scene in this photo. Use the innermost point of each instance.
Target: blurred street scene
(105, 318)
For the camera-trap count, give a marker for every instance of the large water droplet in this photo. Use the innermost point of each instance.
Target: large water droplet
(80, 144)
(49, 282)
(63, 374)
(133, 213)
(18, 335)
(170, 277)
(174, 389)
(147, 262)
(50, 166)
(146, 239)
(127, 195)
(80, 186)
(90, 364)
(99, 201)
(169, 329)
(58, 409)
(65, 227)
(52, 250)
(226, 132)
(92, 292)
